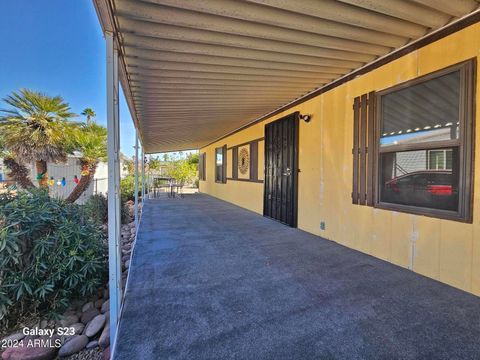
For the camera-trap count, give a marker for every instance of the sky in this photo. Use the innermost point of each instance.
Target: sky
(57, 47)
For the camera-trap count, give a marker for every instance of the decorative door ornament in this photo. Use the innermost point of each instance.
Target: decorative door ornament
(243, 161)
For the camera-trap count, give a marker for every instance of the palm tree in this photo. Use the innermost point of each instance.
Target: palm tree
(91, 140)
(89, 113)
(35, 128)
(18, 172)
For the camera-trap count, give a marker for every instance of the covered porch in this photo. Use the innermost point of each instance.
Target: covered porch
(211, 280)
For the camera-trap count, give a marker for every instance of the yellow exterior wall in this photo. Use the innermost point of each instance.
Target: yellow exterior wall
(445, 250)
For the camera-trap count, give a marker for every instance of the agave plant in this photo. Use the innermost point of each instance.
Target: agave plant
(90, 140)
(36, 129)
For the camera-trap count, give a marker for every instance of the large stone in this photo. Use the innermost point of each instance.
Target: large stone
(104, 340)
(89, 305)
(77, 305)
(89, 315)
(105, 307)
(98, 303)
(127, 264)
(94, 326)
(74, 345)
(78, 328)
(42, 348)
(106, 354)
(91, 345)
(69, 320)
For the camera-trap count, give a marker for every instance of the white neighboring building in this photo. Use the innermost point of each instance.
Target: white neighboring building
(68, 170)
(3, 171)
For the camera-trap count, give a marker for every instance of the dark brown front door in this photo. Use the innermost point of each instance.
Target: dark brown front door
(281, 170)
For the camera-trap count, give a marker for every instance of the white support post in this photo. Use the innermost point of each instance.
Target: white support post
(143, 178)
(113, 148)
(136, 181)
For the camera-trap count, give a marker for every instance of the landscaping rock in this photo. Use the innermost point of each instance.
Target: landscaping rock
(87, 306)
(104, 340)
(127, 264)
(13, 337)
(78, 327)
(77, 304)
(98, 303)
(44, 324)
(69, 320)
(105, 307)
(106, 294)
(70, 311)
(94, 326)
(77, 343)
(92, 344)
(29, 353)
(89, 315)
(106, 353)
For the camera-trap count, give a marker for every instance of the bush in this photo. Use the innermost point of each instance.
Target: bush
(127, 188)
(50, 254)
(96, 208)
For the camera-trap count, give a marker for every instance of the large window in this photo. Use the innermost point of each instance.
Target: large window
(425, 144)
(220, 164)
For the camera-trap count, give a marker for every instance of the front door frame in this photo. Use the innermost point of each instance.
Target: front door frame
(294, 168)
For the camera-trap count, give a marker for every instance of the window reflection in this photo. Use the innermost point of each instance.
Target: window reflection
(424, 178)
(425, 112)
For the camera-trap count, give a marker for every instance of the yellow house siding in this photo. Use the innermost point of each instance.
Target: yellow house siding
(445, 250)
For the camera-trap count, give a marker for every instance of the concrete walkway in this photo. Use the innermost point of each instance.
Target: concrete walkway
(210, 280)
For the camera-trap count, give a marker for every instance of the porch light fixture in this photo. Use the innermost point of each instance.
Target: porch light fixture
(306, 118)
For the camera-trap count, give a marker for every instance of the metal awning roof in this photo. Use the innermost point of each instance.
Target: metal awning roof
(193, 71)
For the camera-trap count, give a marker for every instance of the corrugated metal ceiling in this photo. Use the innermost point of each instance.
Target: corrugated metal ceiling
(197, 70)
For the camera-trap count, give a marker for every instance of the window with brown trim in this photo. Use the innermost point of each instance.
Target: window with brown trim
(424, 144)
(221, 164)
(202, 160)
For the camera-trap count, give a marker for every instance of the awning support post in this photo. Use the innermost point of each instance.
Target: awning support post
(143, 177)
(114, 219)
(136, 180)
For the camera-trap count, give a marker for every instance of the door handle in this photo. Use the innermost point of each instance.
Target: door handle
(288, 172)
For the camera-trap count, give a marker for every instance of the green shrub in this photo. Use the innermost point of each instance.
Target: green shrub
(50, 253)
(96, 208)
(127, 188)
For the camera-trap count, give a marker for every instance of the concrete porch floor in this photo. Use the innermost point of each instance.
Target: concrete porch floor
(210, 280)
